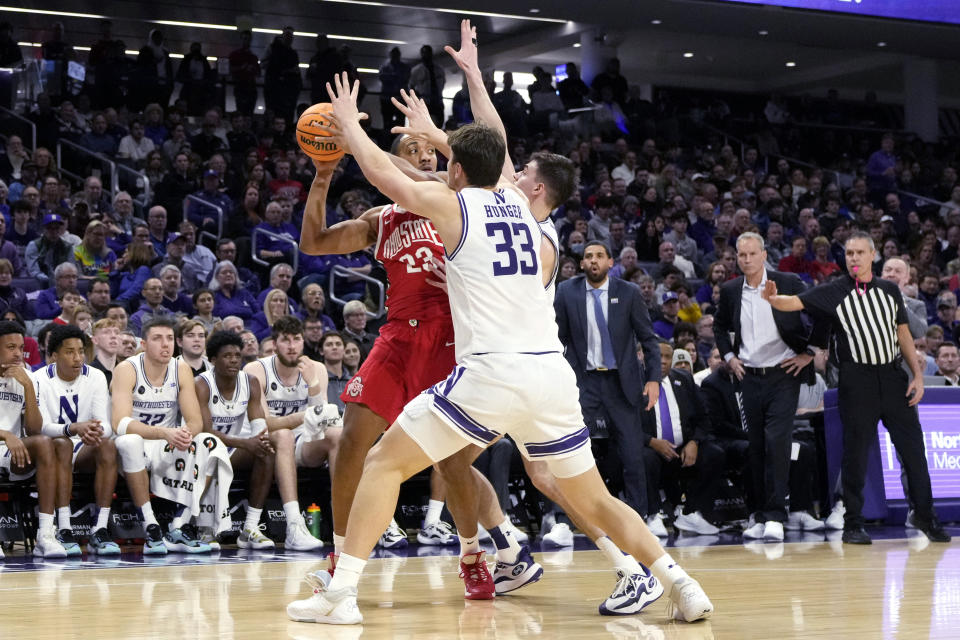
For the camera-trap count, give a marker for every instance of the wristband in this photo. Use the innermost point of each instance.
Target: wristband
(258, 425)
(122, 425)
(55, 430)
(315, 401)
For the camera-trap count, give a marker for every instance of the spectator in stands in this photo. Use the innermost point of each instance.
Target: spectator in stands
(152, 305)
(282, 81)
(135, 146)
(325, 64)
(281, 278)
(428, 80)
(10, 54)
(227, 251)
(948, 364)
(823, 265)
(94, 196)
(98, 298)
(706, 341)
(92, 256)
(351, 357)
(233, 324)
(312, 308)
(797, 261)
(197, 78)
(29, 178)
(355, 326)
(684, 245)
(51, 201)
(69, 301)
(204, 214)
(332, 349)
(13, 159)
(106, 346)
(273, 249)
(129, 344)
(192, 341)
(122, 213)
(157, 223)
(198, 261)
(611, 78)
(882, 170)
(669, 258)
(627, 261)
(244, 70)
(275, 305)
(118, 314)
(154, 77)
(247, 214)
(9, 251)
(896, 270)
(132, 272)
(312, 333)
(716, 274)
(176, 143)
(174, 297)
(12, 298)
(53, 248)
(283, 186)
(230, 299)
(394, 76)
(207, 141)
(947, 313)
(97, 139)
(928, 292)
(669, 308)
(203, 304)
(251, 347)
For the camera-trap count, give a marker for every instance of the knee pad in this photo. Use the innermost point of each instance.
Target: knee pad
(130, 448)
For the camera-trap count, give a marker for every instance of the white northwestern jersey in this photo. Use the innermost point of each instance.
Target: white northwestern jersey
(228, 414)
(11, 405)
(156, 406)
(282, 400)
(495, 281)
(550, 232)
(83, 399)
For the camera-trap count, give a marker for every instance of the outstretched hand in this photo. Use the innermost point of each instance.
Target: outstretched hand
(769, 291)
(438, 268)
(343, 97)
(466, 57)
(419, 121)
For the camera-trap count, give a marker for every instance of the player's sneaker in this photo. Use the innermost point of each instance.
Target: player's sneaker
(394, 537)
(477, 581)
(437, 534)
(208, 538)
(802, 521)
(1, 553)
(254, 539)
(656, 526)
(69, 543)
(327, 607)
(632, 594)
(560, 535)
(186, 539)
(688, 602)
(754, 530)
(48, 546)
(102, 544)
(834, 521)
(518, 535)
(510, 577)
(695, 523)
(773, 530)
(153, 544)
(299, 538)
(910, 522)
(319, 580)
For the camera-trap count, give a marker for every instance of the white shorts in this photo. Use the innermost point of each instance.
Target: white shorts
(531, 397)
(6, 463)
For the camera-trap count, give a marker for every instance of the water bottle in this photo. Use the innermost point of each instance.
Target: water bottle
(313, 511)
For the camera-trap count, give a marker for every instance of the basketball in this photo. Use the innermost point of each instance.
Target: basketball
(309, 127)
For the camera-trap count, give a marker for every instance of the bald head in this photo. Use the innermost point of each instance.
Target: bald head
(896, 270)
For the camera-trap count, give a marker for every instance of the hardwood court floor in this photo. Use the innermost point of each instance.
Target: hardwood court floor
(892, 589)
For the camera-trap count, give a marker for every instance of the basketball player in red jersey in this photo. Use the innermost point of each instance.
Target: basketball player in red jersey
(415, 350)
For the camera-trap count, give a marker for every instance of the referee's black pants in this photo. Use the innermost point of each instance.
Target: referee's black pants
(601, 396)
(770, 404)
(867, 394)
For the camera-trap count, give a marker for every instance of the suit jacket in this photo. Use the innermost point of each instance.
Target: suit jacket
(916, 316)
(726, 322)
(719, 393)
(628, 322)
(694, 421)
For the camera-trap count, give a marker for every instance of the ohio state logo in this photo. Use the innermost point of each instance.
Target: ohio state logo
(355, 388)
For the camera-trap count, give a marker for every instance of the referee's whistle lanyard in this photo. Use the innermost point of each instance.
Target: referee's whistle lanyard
(857, 283)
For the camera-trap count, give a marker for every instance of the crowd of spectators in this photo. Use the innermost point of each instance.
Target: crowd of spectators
(657, 184)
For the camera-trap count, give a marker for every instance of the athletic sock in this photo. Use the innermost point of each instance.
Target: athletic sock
(103, 518)
(434, 509)
(63, 518)
(253, 518)
(348, 572)
(181, 517)
(338, 542)
(146, 515)
(621, 561)
(667, 571)
(45, 521)
(469, 545)
(292, 511)
(508, 549)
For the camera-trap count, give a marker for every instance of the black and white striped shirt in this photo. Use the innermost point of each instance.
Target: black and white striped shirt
(864, 322)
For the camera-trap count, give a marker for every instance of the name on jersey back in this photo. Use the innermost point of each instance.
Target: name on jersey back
(407, 233)
(503, 211)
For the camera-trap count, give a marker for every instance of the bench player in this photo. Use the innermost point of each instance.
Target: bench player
(511, 376)
(150, 391)
(294, 401)
(74, 402)
(413, 352)
(546, 181)
(24, 450)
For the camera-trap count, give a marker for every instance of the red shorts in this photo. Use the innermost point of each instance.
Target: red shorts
(409, 357)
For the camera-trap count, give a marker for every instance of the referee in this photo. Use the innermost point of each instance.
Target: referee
(870, 326)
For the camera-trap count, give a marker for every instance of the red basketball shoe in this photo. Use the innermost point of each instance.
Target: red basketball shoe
(477, 581)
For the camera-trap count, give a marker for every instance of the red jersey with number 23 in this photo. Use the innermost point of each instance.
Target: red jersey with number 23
(406, 244)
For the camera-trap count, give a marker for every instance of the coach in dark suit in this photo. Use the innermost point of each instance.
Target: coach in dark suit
(770, 352)
(601, 320)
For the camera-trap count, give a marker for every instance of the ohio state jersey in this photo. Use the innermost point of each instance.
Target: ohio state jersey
(406, 243)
